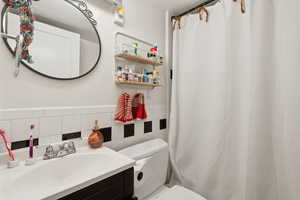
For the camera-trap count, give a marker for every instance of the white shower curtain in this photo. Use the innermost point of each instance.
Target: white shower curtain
(235, 116)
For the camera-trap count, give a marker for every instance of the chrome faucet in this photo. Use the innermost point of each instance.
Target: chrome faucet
(59, 150)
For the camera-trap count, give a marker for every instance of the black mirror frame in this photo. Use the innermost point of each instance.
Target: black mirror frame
(81, 6)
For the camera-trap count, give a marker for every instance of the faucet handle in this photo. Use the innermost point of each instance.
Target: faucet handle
(49, 154)
(71, 147)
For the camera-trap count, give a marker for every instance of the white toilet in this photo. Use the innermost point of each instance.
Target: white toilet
(150, 173)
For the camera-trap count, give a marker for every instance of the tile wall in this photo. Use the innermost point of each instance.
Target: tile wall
(54, 125)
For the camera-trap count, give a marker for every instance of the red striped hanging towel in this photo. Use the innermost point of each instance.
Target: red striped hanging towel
(124, 108)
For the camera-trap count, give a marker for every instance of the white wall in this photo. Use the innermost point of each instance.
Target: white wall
(32, 90)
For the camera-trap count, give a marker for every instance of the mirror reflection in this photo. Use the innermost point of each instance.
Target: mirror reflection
(66, 44)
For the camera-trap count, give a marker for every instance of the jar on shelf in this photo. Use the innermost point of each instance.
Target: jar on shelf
(131, 75)
(140, 77)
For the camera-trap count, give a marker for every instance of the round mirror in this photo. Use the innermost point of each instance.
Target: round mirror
(66, 43)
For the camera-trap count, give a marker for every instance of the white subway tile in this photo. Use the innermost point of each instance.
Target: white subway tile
(50, 140)
(164, 132)
(2, 150)
(104, 120)
(118, 133)
(97, 109)
(4, 158)
(20, 129)
(10, 114)
(163, 116)
(50, 126)
(155, 125)
(139, 128)
(58, 111)
(71, 124)
(156, 111)
(6, 126)
(25, 113)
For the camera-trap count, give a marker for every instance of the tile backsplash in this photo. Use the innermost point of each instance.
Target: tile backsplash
(148, 127)
(129, 130)
(53, 125)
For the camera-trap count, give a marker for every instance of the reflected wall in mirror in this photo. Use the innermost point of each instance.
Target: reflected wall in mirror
(66, 42)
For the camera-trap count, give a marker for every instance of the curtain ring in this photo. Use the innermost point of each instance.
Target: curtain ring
(173, 23)
(201, 10)
(206, 13)
(243, 5)
(176, 21)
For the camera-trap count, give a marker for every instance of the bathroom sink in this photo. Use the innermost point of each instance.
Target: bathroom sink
(56, 178)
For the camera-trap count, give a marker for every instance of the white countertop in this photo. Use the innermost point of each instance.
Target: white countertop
(56, 178)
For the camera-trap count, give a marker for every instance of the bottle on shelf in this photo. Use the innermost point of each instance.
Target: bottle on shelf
(150, 77)
(119, 74)
(145, 76)
(135, 48)
(130, 75)
(136, 78)
(125, 75)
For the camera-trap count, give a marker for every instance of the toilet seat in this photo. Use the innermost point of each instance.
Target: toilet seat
(177, 193)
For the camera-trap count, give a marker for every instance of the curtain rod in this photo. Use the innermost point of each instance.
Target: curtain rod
(206, 3)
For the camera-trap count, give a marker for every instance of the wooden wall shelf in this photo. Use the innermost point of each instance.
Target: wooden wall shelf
(136, 83)
(125, 56)
(138, 59)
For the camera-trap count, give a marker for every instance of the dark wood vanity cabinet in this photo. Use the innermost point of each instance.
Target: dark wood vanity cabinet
(117, 187)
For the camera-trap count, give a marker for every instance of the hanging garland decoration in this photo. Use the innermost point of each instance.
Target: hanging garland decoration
(26, 24)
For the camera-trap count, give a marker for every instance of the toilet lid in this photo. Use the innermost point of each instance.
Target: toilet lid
(179, 193)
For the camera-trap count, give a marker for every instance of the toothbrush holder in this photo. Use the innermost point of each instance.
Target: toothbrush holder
(12, 164)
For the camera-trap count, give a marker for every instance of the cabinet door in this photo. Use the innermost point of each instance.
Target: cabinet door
(117, 187)
(128, 184)
(114, 192)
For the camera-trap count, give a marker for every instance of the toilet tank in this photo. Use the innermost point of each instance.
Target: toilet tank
(150, 171)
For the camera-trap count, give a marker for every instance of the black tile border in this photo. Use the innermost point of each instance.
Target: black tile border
(23, 144)
(70, 136)
(163, 124)
(148, 127)
(129, 130)
(107, 134)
